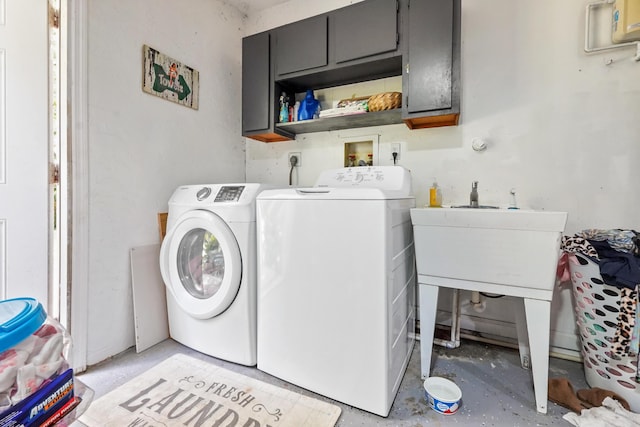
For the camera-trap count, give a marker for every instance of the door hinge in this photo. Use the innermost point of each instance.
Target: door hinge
(54, 173)
(54, 17)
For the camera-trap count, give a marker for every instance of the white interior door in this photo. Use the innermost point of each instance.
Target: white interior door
(24, 149)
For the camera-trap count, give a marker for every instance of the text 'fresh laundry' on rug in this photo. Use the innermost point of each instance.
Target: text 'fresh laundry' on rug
(183, 391)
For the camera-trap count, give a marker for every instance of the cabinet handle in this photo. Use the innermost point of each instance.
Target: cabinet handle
(407, 69)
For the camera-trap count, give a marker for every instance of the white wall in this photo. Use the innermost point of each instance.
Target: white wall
(142, 147)
(562, 126)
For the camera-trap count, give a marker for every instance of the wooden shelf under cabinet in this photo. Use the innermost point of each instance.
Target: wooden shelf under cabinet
(378, 118)
(432, 121)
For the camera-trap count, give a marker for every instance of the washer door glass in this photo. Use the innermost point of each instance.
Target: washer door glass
(201, 264)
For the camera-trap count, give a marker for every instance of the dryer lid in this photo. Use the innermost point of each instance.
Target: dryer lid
(323, 193)
(356, 183)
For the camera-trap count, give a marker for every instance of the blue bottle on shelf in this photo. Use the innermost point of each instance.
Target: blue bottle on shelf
(309, 107)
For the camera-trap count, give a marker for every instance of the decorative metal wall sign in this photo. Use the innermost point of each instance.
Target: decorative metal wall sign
(169, 79)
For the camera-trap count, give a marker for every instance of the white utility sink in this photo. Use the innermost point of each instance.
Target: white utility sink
(504, 246)
(501, 251)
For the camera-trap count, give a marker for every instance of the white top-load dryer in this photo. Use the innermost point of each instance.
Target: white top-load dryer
(336, 284)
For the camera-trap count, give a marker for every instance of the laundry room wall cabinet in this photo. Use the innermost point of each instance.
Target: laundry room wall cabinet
(373, 39)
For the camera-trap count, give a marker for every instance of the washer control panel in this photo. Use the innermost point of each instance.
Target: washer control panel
(229, 193)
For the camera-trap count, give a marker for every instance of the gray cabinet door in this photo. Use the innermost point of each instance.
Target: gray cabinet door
(365, 29)
(301, 46)
(255, 84)
(430, 55)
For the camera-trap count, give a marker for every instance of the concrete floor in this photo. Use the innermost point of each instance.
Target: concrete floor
(496, 391)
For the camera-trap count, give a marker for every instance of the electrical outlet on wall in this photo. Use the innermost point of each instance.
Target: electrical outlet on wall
(296, 154)
(395, 148)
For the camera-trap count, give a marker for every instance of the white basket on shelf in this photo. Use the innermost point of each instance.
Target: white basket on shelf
(597, 307)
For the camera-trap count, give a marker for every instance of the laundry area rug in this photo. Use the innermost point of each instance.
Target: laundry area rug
(183, 391)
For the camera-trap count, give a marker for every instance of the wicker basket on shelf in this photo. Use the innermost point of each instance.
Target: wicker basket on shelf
(385, 101)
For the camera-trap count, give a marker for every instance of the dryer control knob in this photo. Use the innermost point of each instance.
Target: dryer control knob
(203, 193)
(358, 177)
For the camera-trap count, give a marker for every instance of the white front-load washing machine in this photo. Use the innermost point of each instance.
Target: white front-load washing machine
(336, 284)
(208, 264)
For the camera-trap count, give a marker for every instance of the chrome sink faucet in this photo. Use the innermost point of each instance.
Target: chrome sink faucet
(473, 197)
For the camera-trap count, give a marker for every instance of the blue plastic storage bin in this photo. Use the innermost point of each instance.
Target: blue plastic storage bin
(36, 383)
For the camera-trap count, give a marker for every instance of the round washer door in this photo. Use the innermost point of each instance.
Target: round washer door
(201, 264)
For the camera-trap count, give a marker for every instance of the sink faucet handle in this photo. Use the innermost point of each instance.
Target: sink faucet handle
(512, 203)
(473, 197)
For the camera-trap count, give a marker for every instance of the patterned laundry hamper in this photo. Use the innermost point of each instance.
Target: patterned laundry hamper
(597, 308)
